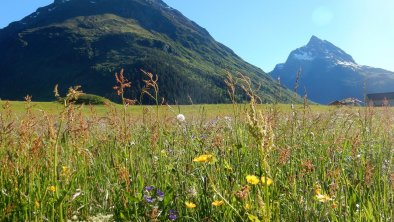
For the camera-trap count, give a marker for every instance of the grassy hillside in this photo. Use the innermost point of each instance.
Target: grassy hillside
(80, 43)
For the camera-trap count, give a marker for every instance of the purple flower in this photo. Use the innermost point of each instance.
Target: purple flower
(172, 215)
(148, 199)
(159, 193)
(149, 188)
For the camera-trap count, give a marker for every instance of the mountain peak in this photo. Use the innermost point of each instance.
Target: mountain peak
(323, 50)
(314, 41)
(329, 73)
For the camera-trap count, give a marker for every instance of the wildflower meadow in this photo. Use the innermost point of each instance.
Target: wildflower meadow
(251, 163)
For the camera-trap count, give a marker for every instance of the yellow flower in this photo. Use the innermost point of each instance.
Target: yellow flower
(217, 203)
(247, 207)
(204, 158)
(65, 171)
(190, 205)
(252, 179)
(317, 188)
(36, 204)
(267, 180)
(323, 198)
(52, 188)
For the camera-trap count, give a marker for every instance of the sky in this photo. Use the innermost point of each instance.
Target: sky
(264, 32)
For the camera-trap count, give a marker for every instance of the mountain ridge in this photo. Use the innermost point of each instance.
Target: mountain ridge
(85, 42)
(328, 73)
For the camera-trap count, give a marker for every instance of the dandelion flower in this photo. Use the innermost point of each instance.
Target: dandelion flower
(252, 179)
(180, 117)
(52, 188)
(190, 205)
(217, 203)
(203, 158)
(266, 180)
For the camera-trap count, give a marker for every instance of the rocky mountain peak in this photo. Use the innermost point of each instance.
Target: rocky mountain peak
(328, 73)
(315, 42)
(323, 50)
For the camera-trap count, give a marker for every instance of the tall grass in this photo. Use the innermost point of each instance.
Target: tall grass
(324, 166)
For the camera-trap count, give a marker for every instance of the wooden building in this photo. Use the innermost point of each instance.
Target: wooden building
(380, 99)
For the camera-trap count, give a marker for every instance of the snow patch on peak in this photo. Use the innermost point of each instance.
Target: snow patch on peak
(304, 56)
(351, 65)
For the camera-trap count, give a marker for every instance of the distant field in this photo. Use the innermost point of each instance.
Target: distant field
(210, 110)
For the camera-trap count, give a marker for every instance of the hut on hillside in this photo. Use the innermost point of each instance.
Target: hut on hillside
(380, 99)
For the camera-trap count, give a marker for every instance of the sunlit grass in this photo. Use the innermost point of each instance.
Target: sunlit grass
(295, 164)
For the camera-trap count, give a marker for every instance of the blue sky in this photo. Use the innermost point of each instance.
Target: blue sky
(263, 32)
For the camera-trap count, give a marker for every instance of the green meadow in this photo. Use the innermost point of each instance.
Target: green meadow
(235, 162)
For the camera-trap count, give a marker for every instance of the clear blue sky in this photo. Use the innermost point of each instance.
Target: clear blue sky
(263, 32)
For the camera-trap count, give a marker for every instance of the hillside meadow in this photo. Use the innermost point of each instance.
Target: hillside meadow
(236, 162)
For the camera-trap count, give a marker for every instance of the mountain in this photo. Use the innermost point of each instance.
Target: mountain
(328, 73)
(84, 42)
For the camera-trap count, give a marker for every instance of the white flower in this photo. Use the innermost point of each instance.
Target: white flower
(180, 117)
(77, 194)
(227, 119)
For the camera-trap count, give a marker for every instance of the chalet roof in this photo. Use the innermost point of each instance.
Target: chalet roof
(374, 96)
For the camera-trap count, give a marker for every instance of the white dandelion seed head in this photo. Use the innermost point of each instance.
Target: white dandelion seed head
(180, 117)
